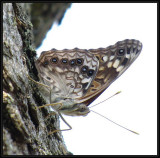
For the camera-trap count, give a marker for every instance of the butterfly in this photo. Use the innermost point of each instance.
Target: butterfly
(74, 78)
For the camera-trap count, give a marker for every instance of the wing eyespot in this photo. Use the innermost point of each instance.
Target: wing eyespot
(90, 72)
(121, 52)
(45, 63)
(64, 61)
(84, 69)
(54, 60)
(79, 61)
(72, 62)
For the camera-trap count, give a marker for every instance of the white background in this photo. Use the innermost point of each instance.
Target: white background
(99, 25)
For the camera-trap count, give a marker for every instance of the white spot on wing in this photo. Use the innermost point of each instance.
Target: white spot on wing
(81, 76)
(85, 80)
(58, 69)
(77, 70)
(128, 56)
(111, 57)
(116, 63)
(109, 64)
(119, 68)
(105, 58)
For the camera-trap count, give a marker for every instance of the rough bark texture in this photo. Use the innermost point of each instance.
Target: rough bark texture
(25, 129)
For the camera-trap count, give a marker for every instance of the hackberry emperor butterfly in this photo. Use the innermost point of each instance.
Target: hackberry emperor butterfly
(74, 78)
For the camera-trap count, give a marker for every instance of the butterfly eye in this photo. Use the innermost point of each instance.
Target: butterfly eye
(72, 62)
(82, 109)
(90, 72)
(54, 60)
(64, 61)
(45, 63)
(79, 61)
(121, 52)
(84, 69)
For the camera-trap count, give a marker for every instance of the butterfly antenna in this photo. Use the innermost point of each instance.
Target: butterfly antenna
(115, 123)
(105, 99)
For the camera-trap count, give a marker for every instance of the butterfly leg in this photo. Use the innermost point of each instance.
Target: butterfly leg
(53, 113)
(37, 82)
(53, 104)
(62, 129)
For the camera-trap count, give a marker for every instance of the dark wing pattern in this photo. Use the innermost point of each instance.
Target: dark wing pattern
(69, 73)
(113, 61)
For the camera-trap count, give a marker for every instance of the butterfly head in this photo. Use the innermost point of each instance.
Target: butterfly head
(70, 107)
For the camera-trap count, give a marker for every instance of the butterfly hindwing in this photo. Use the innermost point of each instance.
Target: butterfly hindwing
(113, 61)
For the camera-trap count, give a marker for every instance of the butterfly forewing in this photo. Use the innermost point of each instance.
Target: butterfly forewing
(68, 72)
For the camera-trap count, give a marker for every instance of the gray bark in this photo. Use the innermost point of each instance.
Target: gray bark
(25, 129)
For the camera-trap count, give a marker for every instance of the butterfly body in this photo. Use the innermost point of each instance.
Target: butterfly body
(77, 77)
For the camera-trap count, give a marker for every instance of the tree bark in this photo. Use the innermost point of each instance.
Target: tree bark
(25, 129)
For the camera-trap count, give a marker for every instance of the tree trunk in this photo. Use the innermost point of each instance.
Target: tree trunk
(25, 129)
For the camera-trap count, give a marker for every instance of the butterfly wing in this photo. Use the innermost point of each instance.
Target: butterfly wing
(113, 61)
(84, 74)
(69, 73)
